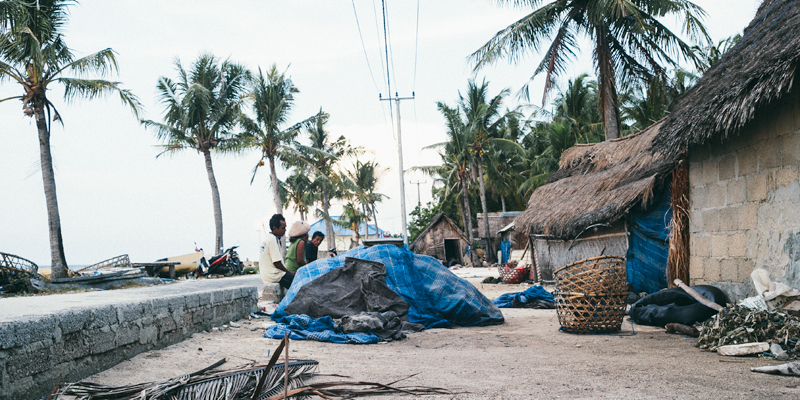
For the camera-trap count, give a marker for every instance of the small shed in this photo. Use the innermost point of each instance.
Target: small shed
(739, 129)
(441, 239)
(608, 198)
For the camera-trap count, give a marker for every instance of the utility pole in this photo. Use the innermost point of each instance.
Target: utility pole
(419, 197)
(400, 159)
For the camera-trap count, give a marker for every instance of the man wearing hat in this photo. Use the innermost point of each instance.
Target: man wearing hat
(270, 262)
(296, 253)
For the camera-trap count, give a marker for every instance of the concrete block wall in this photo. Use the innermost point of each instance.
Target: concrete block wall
(76, 343)
(745, 202)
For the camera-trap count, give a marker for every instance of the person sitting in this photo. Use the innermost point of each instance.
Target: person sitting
(296, 253)
(270, 262)
(312, 247)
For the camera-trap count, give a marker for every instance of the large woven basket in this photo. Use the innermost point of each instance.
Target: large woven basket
(512, 274)
(590, 295)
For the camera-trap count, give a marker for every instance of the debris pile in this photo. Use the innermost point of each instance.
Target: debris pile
(737, 325)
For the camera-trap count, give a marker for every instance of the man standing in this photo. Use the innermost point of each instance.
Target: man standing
(270, 261)
(312, 247)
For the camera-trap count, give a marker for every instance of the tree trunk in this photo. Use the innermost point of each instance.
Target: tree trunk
(468, 222)
(366, 218)
(503, 202)
(215, 198)
(606, 83)
(328, 224)
(375, 219)
(302, 215)
(276, 193)
(58, 261)
(489, 248)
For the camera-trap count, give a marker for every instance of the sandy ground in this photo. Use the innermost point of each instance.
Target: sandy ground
(527, 357)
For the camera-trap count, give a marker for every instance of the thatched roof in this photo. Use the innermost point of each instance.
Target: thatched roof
(434, 221)
(595, 184)
(758, 71)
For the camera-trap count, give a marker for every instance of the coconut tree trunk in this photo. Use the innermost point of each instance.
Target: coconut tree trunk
(58, 261)
(606, 83)
(276, 193)
(503, 202)
(215, 198)
(375, 219)
(468, 221)
(486, 231)
(328, 224)
(366, 218)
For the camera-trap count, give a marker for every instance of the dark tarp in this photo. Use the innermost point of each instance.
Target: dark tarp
(675, 305)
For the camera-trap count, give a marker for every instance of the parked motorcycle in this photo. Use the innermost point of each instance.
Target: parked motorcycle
(227, 263)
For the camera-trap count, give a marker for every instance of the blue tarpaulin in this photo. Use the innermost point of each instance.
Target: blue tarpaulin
(648, 247)
(533, 293)
(437, 297)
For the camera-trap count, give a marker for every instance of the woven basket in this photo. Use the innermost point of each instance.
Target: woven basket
(513, 275)
(590, 295)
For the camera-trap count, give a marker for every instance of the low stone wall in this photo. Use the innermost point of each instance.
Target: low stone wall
(80, 341)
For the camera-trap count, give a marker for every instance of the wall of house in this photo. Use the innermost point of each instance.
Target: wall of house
(432, 244)
(745, 203)
(551, 254)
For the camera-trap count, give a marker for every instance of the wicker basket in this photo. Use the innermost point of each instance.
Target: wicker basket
(591, 294)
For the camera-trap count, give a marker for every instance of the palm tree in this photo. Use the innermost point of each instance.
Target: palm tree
(273, 98)
(576, 105)
(34, 55)
(629, 42)
(362, 180)
(352, 217)
(323, 155)
(201, 109)
(299, 190)
(457, 159)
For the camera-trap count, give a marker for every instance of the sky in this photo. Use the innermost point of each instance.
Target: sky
(115, 197)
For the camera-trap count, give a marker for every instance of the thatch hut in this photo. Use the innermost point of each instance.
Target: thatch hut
(739, 128)
(443, 240)
(608, 198)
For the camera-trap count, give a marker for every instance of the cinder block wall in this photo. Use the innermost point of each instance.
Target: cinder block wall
(745, 202)
(79, 343)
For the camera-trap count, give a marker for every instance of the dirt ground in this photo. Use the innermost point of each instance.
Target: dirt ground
(527, 357)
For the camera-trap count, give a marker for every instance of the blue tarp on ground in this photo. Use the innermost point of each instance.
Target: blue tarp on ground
(533, 293)
(648, 247)
(437, 297)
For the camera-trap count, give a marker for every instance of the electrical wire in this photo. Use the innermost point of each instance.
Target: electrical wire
(364, 47)
(386, 51)
(416, 51)
(391, 49)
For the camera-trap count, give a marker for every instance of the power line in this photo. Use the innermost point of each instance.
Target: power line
(386, 48)
(391, 50)
(364, 47)
(416, 48)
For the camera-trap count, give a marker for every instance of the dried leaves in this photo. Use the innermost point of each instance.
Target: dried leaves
(737, 325)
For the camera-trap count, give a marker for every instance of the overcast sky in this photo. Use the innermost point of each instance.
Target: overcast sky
(116, 198)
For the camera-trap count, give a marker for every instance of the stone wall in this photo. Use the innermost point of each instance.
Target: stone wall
(745, 202)
(78, 342)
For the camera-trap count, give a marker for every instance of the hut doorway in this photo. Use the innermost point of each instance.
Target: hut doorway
(452, 251)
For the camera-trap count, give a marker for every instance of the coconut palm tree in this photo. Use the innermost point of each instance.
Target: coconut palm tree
(299, 190)
(273, 97)
(362, 180)
(322, 156)
(34, 55)
(629, 42)
(201, 109)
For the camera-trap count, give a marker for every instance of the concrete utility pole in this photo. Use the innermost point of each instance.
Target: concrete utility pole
(400, 158)
(419, 197)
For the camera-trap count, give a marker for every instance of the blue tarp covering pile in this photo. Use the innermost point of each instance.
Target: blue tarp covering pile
(649, 246)
(437, 297)
(533, 293)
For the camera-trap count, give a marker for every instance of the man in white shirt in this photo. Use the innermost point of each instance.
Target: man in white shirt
(270, 262)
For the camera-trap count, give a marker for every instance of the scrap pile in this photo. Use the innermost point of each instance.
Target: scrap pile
(254, 382)
(738, 325)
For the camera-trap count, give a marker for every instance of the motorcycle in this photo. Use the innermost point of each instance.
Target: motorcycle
(227, 263)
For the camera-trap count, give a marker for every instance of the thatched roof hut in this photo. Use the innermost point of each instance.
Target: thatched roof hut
(441, 239)
(759, 70)
(596, 184)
